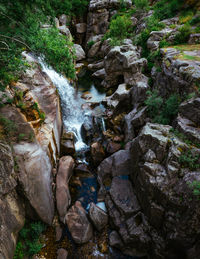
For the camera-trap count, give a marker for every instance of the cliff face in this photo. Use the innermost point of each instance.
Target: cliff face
(29, 149)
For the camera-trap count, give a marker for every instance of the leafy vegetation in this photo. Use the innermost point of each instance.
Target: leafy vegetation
(189, 160)
(29, 243)
(183, 34)
(162, 111)
(21, 30)
(141, 4)
(195, 185)
(120, 28)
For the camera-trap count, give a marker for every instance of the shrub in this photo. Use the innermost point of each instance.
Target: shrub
(28, 243)
(154, 103)
(189, 160)
(141, 4)
(162, 111)
(183, 34)
(167, 9)
(195, 185)
(90, 43)
(120, 27)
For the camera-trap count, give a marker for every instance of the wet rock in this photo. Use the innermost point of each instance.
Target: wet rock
(78, 224)
(113, 147)
(62, 253)
(80, 53)
(120, 99)
(67, 144)
(98, 216)
(63, 199)
(97, 152)
(81, 27)
(86, 96)
(100, 73)
(59, 232)
(82, 170)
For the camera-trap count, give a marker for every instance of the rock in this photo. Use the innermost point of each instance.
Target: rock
(129, 68)
(179, 73)
(119, 100)
(97, 152)
(133, 121)
(12, 218)
(194, 38)
(113, 147)
(65, 31)
(81, 27)
(33, 162)
(59, 232)
(63, 199)
(80, 54)
(100, 73)
(78, 224)
(7, 179)
(94, 49)
(62, 253)
(64, 19)
(67, 144)
(86, 96)
(115, 4)
(190, 110)
(82, 170)
(160, 181)
(96, 66)
(98, 216)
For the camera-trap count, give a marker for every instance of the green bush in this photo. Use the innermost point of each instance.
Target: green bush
(120, 27)
(189, 160)
(162, 111)
(28, 243)
(142, 4)
(90, 43)
(195, 185)
(167, 9)
(183, 34)
(154, 103)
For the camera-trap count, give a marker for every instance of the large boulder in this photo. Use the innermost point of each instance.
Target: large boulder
(98, 216)
(63, 198)
(78, 224)
(160, 177)
(129, 68)
(79, 52)
(188, 120)
(97, 152)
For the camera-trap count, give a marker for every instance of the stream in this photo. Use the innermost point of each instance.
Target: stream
(76, 103)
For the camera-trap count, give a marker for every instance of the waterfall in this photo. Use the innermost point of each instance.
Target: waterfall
(72, 113)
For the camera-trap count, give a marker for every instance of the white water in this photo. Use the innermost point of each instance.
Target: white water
(73, 115)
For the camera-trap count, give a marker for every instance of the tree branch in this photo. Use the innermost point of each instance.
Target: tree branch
(14, 39)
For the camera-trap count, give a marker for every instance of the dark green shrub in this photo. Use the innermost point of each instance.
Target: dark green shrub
(28, 243)
(90, 43)
(183, 34)
(189, 160)
(167, 9)
(154, 103)
(161, 111)
(120, 27)
(195, 185)
(141, 4)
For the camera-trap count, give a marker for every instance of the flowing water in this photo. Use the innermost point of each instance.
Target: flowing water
(74, 116)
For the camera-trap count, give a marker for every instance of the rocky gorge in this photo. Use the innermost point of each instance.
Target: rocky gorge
(117, 176)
